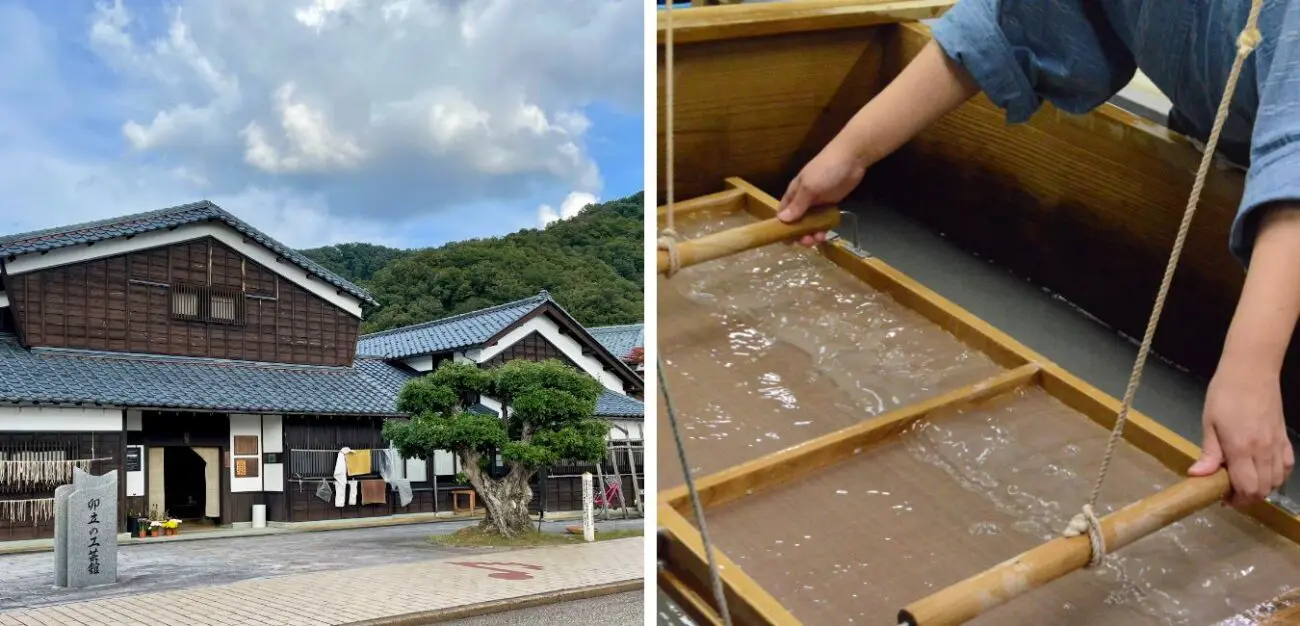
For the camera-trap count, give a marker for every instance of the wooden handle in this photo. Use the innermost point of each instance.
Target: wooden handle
(971, 597)
(749, 236)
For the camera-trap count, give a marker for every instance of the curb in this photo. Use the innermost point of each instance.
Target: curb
(124, 541)
(421, 618)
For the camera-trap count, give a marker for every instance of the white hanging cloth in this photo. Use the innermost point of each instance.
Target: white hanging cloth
(341, 478)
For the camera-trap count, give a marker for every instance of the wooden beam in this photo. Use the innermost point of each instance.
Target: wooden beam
(729, 200)
(796, 462)
(683, 552)
(737, 21)
(695, 607)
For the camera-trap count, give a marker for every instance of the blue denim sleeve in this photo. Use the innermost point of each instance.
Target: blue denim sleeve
(1274, 174)
(1022, 52)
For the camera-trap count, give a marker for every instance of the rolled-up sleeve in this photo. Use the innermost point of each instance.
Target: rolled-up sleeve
(1274, 174)
(1021, 52)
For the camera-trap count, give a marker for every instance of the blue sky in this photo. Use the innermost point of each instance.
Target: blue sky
(402, 122)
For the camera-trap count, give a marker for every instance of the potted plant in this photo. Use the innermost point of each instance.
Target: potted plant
(132, 522)
(172, 526)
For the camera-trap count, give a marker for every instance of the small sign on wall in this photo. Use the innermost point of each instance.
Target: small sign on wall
(134, 459)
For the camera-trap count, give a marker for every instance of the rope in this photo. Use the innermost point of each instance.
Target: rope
(698, 509)
(668, 242)
(1086, 520)
(668, 236)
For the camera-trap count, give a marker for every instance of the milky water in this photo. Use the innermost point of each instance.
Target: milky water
(775, 346)
(772, 347)
(963, 491)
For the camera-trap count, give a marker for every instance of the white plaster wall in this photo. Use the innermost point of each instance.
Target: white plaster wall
(219, 231)
(60, 419)
(491, 403)
(4, 299)
(134, 420)
(568, 345)
(273, 441)
(246, 425)
(135, 480)
(417, 470)
(422, 363)
(444, 463)
(633, 430)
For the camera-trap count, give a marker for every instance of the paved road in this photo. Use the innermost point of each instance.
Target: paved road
(620, 609)
(26, 580)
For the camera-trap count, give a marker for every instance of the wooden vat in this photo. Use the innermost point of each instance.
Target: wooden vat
(826, 507)
(1085, 206)
(800, 472)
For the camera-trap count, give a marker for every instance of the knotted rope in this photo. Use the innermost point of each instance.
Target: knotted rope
(668, 242)
(1087, 520)
(668, 236)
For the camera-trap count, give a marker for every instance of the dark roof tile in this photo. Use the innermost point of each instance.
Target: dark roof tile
(204, 211)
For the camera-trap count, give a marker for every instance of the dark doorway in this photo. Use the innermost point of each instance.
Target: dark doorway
(184, 483)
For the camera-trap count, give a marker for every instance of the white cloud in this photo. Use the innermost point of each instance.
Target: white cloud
(365, 112)
(574, 203)
(312, 145)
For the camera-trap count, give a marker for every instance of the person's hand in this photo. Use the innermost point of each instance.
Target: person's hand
(1245, 431)
(826, 179)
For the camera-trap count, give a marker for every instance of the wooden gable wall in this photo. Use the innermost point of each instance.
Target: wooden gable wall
(533, 347)
(125, 303)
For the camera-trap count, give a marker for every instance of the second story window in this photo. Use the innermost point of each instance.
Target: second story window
(215, 305)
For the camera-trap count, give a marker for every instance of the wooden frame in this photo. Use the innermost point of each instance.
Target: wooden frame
(684, 573)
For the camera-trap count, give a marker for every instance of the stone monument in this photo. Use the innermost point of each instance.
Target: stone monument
(588, 509)
(85, 531)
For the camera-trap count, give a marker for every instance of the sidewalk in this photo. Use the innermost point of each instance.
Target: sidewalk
(387, 594)
(26, 546)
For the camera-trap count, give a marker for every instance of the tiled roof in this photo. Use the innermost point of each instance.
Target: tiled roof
(620, 340)
(450, 333)
(149, 381)
(204, 211)
(612, 404)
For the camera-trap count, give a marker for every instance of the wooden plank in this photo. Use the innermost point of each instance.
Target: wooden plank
(683, 552)
(757, 106)
(737, 21)
(727, 200)
(793, 463)
(690, 602)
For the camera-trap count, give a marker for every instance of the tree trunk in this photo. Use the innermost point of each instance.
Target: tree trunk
(506, 499)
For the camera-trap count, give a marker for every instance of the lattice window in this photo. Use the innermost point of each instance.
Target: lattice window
(215, 305)
(185, 302)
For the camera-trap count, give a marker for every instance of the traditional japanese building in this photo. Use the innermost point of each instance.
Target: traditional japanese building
(217, 369)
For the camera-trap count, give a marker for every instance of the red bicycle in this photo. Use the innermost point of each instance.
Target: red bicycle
(611, 497)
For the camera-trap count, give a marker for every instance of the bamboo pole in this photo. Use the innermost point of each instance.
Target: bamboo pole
(978, 594)
(749, 236)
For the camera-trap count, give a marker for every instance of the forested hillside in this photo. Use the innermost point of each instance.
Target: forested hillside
(591, 264)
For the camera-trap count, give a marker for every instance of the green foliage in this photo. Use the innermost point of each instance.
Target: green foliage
(591, 264)
(551, 414)
(356, 262)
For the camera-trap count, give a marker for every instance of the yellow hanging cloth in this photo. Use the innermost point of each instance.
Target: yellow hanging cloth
(358, 462)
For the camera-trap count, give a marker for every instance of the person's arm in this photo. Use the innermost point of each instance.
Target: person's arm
(1269, 307)
(1245, 428)
(931, 86)
(999, 47)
